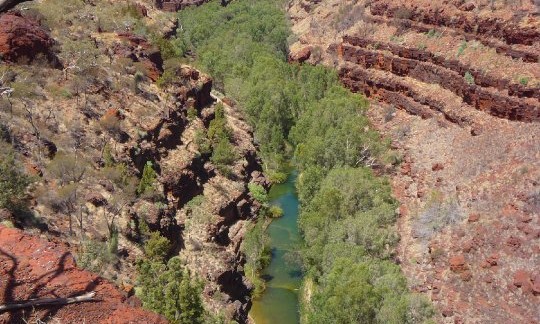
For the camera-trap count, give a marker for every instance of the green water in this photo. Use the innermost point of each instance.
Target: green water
(279, 303)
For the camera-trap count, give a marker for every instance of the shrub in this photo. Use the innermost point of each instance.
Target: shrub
(462, 48)
(119, 175)
(13, 181)
(203, 143)
(276, 176)
(96, 256)
(432, 33)
(258, 255)
(524, 80)
(166, 48)
(108, 158)
(469, 78)
(275, 211)
(218, 129)
(258, 192)
(68, 167)
(165, 79)
(191, 113)
(113, 243)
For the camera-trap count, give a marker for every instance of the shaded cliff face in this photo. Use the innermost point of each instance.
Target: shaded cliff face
(455, 85)
(101, 111)
(33, 267)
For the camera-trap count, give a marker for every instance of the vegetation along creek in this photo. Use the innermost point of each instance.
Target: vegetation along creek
(279, 302)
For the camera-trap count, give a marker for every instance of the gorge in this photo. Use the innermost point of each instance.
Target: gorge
(146, 150)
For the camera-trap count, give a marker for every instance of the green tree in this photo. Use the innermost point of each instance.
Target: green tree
(223, 153)
(169, 289)
(147, 180)
(157, 247)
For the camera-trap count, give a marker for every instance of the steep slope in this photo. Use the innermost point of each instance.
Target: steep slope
(83, 114)
(455, 85)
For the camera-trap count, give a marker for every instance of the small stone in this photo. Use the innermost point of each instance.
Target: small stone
(437, 167)
(447, 312)
(513, 242)
(473, 218)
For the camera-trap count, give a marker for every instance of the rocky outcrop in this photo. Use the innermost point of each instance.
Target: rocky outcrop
(207, 236)
(23, 40)
(420, 55)
(33, 267)
(437, 16)
(176, 5)
(138, 49)
(492, 102)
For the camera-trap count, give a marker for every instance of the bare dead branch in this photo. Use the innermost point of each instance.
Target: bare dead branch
(49, 302)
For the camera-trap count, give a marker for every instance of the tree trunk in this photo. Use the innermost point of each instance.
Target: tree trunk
(49, 302)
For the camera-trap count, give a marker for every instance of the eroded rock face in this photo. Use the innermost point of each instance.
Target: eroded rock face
(176, 5)
(49, 270)
(23, 40)
(505, 30)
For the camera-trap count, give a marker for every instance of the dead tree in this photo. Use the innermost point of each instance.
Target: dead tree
(49, 302)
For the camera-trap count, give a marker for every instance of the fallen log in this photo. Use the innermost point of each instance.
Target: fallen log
(49, 302)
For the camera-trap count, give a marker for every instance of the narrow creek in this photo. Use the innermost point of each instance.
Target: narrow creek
(279, 302)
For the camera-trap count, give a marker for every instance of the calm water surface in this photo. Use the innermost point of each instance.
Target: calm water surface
(279, 303)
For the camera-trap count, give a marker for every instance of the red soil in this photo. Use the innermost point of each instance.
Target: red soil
(33, 267)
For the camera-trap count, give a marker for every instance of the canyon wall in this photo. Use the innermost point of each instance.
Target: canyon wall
(104, 115)
(455, 86)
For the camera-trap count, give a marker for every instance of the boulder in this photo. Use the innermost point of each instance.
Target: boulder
(469, 6)
(523, 280)
(437, 167)
(473, 218)
(300, 56)
(24, 41)
(141, 10)
(536, 285)
(458, 264)
(96, 199)
(47, 269)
